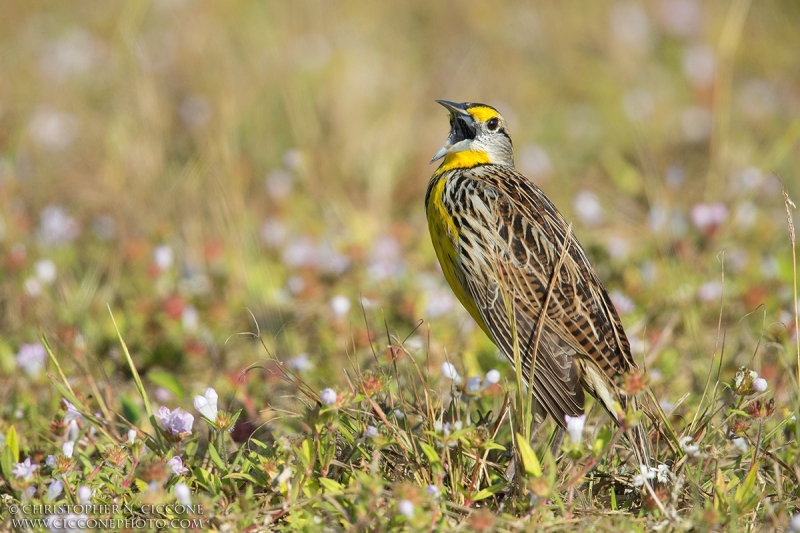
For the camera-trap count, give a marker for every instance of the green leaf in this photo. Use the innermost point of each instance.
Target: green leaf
(331, 485)
(136, 379)
(306, 449)
(603, 438)
(529, 460)
(430, 452)
(10, 453)
(243, 477)
(165, 379)
(130, 411)
(491, 445)
(216, 459)
(744, 493)
(12, 443)
(489, 491)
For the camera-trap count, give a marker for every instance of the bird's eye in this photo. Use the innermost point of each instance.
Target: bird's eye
(492, 124)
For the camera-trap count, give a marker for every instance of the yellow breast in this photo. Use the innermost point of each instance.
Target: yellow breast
(444, 234)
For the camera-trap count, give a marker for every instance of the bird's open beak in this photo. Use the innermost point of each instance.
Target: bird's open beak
(462, 129)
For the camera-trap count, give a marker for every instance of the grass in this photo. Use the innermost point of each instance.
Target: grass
(229, 196)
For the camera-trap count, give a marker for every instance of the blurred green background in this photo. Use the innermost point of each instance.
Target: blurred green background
(184, 161)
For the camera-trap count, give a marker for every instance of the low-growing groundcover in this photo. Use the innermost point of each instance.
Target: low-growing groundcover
(392, 451)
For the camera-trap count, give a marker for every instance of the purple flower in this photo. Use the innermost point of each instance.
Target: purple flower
(57, 227)
(176, 422)
(759, 384)
(24, 469)
(371, 432)
(72, 412)
(176, 464)
(708, 217)
(55, 490)
(328, 397)
(31, 358)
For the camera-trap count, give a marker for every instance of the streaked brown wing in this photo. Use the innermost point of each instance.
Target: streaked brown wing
(514, 245)
(579, 310)
(556, 380)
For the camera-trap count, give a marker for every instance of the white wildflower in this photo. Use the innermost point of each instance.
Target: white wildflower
(405, 508)
(207, 404)
(575, 427)
(449, 371)
(182, 493)
(67, 449)
(690, 449)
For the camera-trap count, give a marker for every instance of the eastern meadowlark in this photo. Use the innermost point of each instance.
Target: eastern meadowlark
(507, 253)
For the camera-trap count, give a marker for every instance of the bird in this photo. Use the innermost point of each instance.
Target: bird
(508, 254)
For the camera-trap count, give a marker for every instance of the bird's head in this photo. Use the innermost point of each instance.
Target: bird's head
(478, 135)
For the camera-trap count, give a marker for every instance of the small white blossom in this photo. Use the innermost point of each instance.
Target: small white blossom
(686, 444)
(575, 427)
(741, 444)
(207, 404)
(449, 371)
(163, 257)
(371, 432)
(67, 448)
(84, 494)
(645, 473)
(662, 473)
(190, 318)
(794, 523)
(182, 493)
(72, 430)
(50, 461)
(759, 384)
(45, 270)
(32, 287)
(131, 436)
(54, 490)
(328, 397)
(432, 490)
(492, 377)
(398, 414)
(340, 305)
(405, 508)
